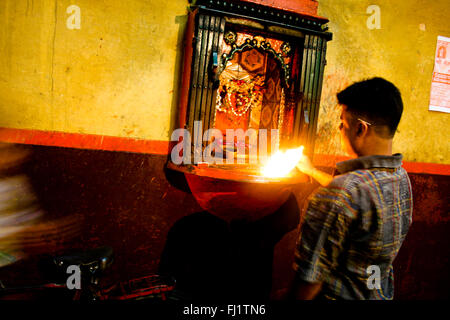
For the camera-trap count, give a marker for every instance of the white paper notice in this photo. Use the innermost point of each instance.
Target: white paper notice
(440, 85)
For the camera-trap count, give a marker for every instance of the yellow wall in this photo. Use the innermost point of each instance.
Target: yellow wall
(402, 51)
(115, 76)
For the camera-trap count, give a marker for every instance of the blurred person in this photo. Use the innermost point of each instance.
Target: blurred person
(359, 218)
(24, 228)
(18, 204)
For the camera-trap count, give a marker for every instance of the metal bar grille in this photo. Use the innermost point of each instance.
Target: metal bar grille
(219, 31)
(313, 78)
(302, 119)
(320, 65)
(195, 73)
(306, 116)
(208, 34)
(202, 97)
(309, 89)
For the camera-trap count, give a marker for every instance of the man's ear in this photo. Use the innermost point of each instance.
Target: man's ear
(361, 129)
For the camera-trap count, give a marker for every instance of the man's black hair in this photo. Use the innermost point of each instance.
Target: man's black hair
(375, 100)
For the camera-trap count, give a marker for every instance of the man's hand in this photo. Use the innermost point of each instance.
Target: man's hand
(305, 166)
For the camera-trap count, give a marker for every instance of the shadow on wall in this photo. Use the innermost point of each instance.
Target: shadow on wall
(422, 264)
(211, 259)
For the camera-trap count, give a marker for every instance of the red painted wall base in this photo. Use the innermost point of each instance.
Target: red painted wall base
(108, 143)
(129, 202)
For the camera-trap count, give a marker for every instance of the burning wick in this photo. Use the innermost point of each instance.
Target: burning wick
(281, 163)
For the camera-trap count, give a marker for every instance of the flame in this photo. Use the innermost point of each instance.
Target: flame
(282, 162)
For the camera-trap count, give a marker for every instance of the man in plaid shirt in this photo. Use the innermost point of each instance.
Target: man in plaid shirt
(355, 224)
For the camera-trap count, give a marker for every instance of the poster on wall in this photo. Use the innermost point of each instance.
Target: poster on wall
(440, 84)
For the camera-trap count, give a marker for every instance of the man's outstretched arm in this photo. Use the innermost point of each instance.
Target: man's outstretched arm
(305, 166)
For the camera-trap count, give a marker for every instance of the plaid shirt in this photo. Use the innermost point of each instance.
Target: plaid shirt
(359, 220)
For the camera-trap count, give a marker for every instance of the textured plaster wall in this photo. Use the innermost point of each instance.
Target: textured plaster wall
(402, 51)
(118, 75)
(114, 76)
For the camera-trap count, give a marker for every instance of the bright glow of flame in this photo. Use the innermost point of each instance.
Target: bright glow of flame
(281, 163)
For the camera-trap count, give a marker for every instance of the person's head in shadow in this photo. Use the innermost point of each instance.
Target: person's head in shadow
(196, 254)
